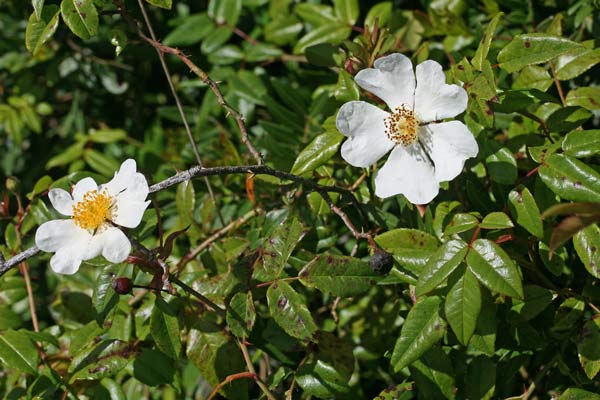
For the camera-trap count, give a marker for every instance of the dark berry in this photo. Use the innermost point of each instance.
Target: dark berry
(122, 285)
(381, 262)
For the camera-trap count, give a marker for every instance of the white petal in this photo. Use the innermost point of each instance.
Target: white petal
(116, 245)
(363, 123)
(60, 233)
(82, 187)
(434, 99)
(136, 190)
(92, 247)
(68, 258)
(61, 201)
(392, 80)
(65, 261)
(449, 144)
(129, 213)
(122, 179)
(407, 171)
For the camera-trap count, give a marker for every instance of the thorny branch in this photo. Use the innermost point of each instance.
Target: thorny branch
(186, 125)
(198, 171)
(162, 49)
(239, 119)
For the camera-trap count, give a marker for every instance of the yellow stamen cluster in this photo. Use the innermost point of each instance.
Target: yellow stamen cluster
(402, 126)
(93, 210)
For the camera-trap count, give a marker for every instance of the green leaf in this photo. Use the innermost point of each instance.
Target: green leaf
(534, 48)
(225, 11)
(486, 40)
(278, 248)
(107, 135)
(484, 338)
(525, 211)
(434, 376)
(494, 268)
(587, 246)
(463, 304)
(166, 4)
(185, 200)
(570, 178)
(106, 165)
(339, 275)
(38, 6)
(578, 394)
(105, 298)
(586, 97)
(17, 351)
(536, 300)
(283, 30)
(70, 154)
(461, 222)
(41, 28)
(346, 10)
(315, 14)
(332, 33)
(164, 328)
(216, 38)
(241, 314)
(422, 328)
(321, 380)
(289, 310)
(100, 360)
(582, 144)
(261, 52)
(496, 220)
(533, 77)
(317, 152)
(481, 378)
(193, 29)
(80, 16)
(567, 317)
(410, 247)
(217, 357)
(380, 12)
(502, 166)
(588, 347)
(568, 118)
(346, 89)
(578, 64)
(153, 368)
(441, 264)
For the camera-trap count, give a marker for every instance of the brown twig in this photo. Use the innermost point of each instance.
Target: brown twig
(266, 170)
(229, 379)
(263, 284)
(178, 103)
(558, 86)
(198, 171)
(25, 271)
(251, 369)
(244, 36)
(215, 89)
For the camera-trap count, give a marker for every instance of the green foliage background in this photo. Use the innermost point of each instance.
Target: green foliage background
(493, 291)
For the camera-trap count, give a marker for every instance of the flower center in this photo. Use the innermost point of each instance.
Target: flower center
(93, 210)
(402, 126)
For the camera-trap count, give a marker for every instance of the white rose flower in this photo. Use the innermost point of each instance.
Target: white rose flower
(424, 150)
(95, 211)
